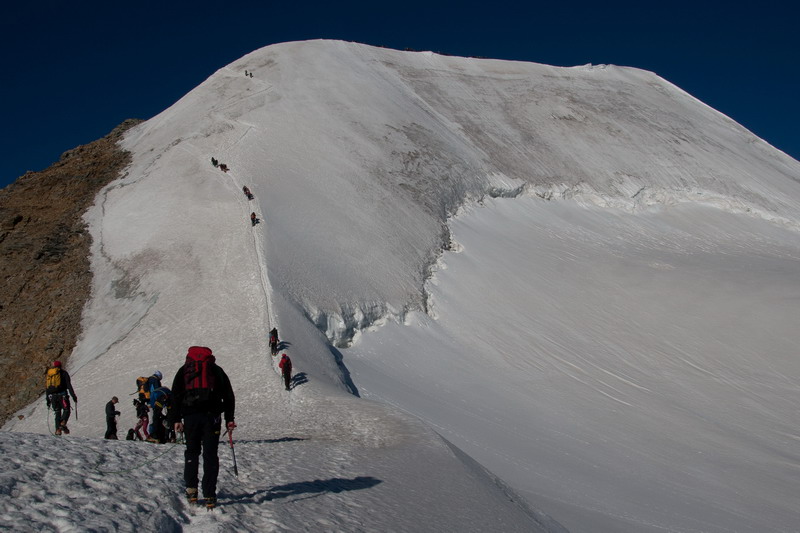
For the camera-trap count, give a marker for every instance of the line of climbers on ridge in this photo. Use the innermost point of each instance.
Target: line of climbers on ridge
(201, 394)
(222, 166)
(253, 218)
(285, 364)
(245, 189)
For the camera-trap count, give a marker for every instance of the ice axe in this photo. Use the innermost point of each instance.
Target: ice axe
(233, 452)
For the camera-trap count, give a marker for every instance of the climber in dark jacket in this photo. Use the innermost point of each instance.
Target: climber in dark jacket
(111, 418)
(202, 394)
(285, 365)
(58, 396)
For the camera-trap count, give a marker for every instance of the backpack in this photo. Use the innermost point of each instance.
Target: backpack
(53, 380)
(198, 375)
(142, 388)
(141, 408)
(159, 398)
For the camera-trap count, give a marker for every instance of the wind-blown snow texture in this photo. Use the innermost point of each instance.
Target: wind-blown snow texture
(583, 278)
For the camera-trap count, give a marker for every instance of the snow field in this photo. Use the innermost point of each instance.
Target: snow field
(621, 356)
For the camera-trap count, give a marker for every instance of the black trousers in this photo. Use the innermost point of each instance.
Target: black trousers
(157, 428)
(202, 432)
(61, 408)
(111, 427)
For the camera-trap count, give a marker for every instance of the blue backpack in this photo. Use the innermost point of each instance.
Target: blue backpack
(159, 397)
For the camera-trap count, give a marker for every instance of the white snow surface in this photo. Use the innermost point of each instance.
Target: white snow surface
(581, 279)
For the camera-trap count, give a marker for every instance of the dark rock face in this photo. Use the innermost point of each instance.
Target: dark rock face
(45, 276)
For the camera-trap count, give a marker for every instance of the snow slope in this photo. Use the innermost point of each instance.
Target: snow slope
(583, 278)
(639, 374)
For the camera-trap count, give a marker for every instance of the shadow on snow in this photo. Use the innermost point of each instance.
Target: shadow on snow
(309, 489)
(271, 441)
(298, 379)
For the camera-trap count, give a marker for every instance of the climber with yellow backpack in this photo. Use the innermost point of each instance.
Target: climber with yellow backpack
(58, 391)
(152, 396)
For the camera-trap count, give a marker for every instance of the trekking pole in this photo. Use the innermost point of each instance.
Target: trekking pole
(233, 453)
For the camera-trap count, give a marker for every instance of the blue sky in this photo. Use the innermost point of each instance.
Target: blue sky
(74, 70)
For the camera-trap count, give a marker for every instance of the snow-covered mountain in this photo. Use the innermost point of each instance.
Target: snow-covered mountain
(583, 278)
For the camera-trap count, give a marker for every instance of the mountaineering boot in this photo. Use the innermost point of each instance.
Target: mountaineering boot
(64, 428)
(211, 502)
(191, 495)
(58, 431)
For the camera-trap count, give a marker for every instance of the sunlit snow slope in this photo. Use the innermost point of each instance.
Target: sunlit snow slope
(583, 277)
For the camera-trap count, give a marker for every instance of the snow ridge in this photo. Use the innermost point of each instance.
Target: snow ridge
(419, 137)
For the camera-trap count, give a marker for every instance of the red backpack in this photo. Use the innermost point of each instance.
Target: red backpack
(198, 375)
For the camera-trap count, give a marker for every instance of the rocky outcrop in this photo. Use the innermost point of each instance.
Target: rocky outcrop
(45, 275)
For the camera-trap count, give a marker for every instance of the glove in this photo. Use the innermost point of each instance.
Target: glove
(48, 402)
(231, 425)
(74, 399)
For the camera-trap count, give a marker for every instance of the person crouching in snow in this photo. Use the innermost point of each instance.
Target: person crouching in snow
(286, 370)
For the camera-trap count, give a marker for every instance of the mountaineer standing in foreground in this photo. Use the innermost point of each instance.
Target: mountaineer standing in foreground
(202, 393)
(59, 389)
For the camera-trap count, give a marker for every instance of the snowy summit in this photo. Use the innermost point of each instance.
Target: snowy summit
(517, 298)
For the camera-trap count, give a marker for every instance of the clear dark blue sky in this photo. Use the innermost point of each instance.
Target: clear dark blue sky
(74, 70)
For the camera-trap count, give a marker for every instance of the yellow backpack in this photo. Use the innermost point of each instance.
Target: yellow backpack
(142, 388)
(53, 380)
